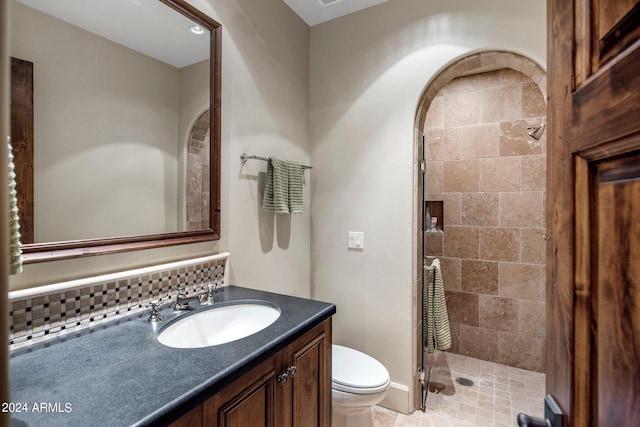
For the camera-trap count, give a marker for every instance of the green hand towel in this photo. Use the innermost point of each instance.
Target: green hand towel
(276, 191)
(438, 335)
(296, 180)
(283, 187)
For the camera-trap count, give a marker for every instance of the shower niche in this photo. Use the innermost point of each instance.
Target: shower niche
(433, 216)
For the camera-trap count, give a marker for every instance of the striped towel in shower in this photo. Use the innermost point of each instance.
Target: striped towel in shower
(283, 187)
(438, 336)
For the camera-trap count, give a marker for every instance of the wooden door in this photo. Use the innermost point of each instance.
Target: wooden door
(22, 140)
(307, 399)
(593, 270)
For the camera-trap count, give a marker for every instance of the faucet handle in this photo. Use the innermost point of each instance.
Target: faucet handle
(155, 314)
(208, 296)
(179, 305)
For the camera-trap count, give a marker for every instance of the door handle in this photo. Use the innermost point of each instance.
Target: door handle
(525, 420)
(553, 415)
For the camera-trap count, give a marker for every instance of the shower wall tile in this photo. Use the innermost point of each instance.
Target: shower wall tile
(434, 178)
(500, 244)
(533, 246)
(453, 210)
(524, 209)
(513, 78)
(461, 176)
(462, 109)
(522, 281)
(521, 351)
(478, 141)
(501, 104)
(440, 146)
(533, 104)
(534, 173)
(461, 242)
(479, 342)
(480, 277)
(514, 140)
(500, 174)
(532, 315)
(435, 113)
(433, 243)
(463, 307)
(451, 273)
(480, 209)
(497, 313)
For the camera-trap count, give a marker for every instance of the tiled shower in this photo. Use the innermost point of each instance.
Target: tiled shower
(490, 176)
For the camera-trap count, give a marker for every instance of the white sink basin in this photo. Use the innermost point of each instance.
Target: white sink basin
(218, 325)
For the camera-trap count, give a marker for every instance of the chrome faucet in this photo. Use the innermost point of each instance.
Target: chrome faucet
(155, 314)
(180, 303)
(208, 297)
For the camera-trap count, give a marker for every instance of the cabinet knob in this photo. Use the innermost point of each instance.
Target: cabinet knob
(291, 370)
(282, 378)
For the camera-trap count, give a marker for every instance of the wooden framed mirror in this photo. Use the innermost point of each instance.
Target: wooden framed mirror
(147, 190)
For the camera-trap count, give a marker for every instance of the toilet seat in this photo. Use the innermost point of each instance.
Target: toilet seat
(358, 373)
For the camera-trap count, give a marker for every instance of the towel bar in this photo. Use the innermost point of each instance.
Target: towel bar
(244, 157)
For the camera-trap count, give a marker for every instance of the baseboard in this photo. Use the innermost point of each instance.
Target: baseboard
(398, 398)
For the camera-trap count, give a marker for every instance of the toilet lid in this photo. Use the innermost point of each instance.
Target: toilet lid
(356, 372)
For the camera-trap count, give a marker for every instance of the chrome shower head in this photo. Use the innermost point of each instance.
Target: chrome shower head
(536, 132)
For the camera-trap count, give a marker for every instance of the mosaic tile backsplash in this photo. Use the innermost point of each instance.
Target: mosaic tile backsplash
(48, 315)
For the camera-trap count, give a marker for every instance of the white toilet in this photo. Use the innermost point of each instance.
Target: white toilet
(358, 382)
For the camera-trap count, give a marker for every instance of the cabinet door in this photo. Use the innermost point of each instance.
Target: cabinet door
(249, 401)
(307, 400)
(191, 419)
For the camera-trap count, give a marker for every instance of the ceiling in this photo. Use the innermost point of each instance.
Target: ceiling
(318, 11)
(150, 27)
(147, 26)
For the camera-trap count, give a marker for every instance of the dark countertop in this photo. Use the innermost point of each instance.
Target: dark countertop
(117, 374)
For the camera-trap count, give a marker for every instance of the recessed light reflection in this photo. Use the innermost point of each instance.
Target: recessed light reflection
(196, 29)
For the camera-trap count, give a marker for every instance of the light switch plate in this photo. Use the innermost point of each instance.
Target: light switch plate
(356, 240)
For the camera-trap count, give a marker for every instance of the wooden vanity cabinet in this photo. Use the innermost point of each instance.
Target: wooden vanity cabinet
(290, 389)
(307, 396)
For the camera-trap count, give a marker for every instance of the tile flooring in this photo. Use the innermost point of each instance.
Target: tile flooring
(499, 393)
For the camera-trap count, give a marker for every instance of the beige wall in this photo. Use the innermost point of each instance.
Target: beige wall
(105, 134)
(491, 177)
(368, 71)
(265, 74)
(265, 104)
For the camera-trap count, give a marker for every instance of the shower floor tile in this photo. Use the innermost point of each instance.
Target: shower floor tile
(496, 397)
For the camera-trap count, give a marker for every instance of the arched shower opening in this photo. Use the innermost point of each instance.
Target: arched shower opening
(481, 178)
(198, 173)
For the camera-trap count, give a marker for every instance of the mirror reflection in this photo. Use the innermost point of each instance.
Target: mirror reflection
(121, 118)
